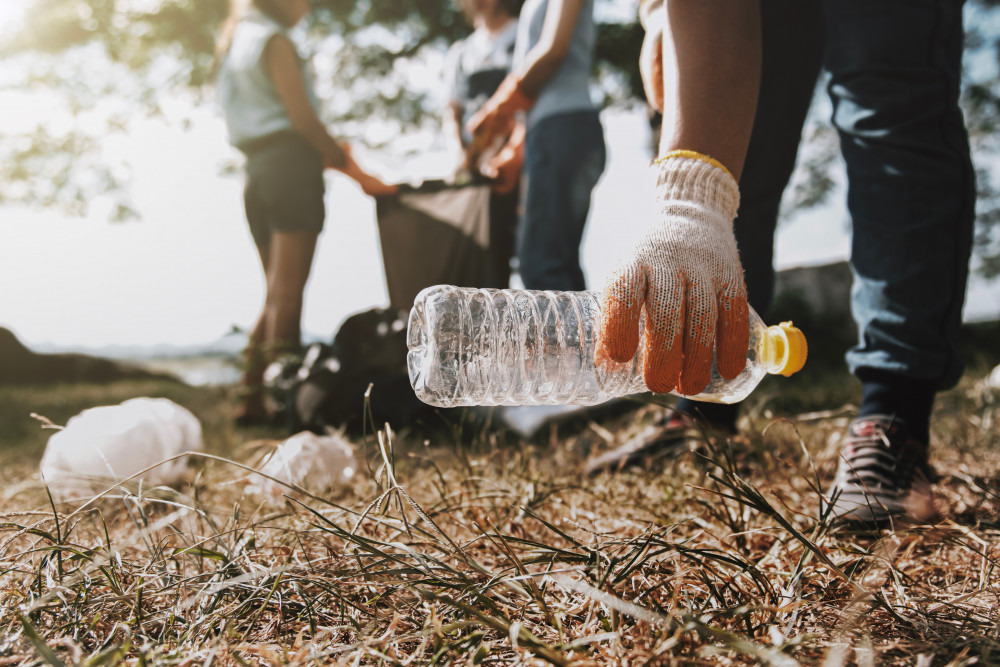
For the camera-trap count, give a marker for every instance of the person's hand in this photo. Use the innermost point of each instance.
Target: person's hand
(686, 273)
(653, 16)
(370, 185)
(346, 159)
(505, 168)
(466, 168)
(374, 186)
(496, 117)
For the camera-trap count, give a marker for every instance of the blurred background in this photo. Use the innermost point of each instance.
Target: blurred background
(121, 224)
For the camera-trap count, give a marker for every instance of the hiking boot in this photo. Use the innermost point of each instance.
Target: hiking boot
(883, 475)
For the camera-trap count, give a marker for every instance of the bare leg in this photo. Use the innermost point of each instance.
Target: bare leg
(257, 334)
(290, 262)
(287, 261)
(711, 65)
(251, 400)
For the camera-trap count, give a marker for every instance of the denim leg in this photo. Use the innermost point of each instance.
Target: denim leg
(792, 55)
(564, 158)
(895, 70)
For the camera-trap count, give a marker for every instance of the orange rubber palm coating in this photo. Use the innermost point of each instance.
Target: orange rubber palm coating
(687, 276)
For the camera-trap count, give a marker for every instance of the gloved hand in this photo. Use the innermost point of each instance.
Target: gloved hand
(686, 272)
(495, 118)
(653, 16)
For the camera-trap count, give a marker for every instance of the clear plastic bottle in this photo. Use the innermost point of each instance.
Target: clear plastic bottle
(470, 346)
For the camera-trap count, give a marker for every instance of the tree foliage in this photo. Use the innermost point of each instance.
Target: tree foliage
(106, 62)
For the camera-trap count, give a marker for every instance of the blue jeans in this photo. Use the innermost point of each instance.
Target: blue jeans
(894, 70)
(563, 159)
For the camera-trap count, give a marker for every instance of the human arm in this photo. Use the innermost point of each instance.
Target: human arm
(711, 65)
(653, 17)
(455, 83)
(545, 57)
(467, 154)
(521, 88)
(371, 185)
(685, 272)
(283, 68)
(453, 121)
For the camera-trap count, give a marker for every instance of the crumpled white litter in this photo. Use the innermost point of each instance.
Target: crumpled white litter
(114, 442)
(993, 379)
(313, 462)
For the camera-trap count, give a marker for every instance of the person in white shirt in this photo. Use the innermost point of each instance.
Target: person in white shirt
(475, 68)
(266, 94)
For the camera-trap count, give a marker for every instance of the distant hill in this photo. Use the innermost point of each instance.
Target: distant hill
(21, 366)
(229, 345)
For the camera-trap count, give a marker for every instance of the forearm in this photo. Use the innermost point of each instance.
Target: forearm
(711, 64)
(283, 68)
(317, 136)
(539, 66)
(544, 58)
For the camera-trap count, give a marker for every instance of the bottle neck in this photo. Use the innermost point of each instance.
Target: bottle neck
(775, 353)
(784, 350)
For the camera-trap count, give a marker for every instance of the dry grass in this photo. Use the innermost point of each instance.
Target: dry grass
(475, 547)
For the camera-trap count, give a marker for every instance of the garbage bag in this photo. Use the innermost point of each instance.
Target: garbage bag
(114, 442)
(369, 348)
(450, 235)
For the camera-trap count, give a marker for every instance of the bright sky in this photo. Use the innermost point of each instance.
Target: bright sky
(10, 12)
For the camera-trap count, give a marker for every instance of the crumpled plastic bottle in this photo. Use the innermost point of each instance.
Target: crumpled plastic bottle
(313, 462)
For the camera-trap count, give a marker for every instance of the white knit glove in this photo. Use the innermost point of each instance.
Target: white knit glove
(686, 272)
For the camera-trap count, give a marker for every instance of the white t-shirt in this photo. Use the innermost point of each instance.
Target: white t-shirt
(250, 102)
(475, 67)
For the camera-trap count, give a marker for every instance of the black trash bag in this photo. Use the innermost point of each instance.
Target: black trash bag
(369, 348)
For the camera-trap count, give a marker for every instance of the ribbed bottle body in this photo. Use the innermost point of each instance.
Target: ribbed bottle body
(470, 346)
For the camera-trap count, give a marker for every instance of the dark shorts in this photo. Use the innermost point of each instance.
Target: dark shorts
(284, 187)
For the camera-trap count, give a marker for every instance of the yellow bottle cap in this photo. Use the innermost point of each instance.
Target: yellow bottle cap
(790, 349)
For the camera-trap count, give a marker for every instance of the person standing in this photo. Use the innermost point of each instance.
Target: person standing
(557, 136)
(895, 69)
(475, 68)
(266, 93)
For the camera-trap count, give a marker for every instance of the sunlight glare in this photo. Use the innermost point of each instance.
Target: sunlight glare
(10, 14)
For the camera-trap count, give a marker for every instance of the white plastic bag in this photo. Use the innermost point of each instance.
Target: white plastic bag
(314, 462)
(113, 442)
(993, 379)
